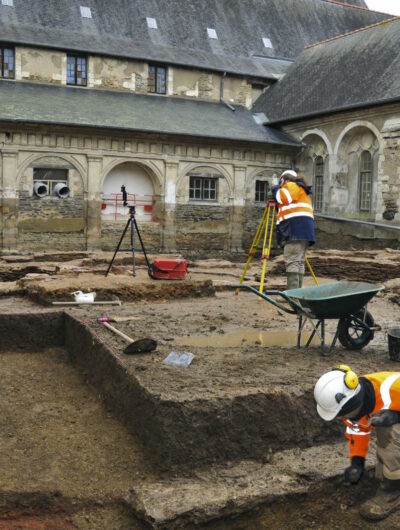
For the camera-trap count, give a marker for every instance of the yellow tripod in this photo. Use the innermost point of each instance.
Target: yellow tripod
(265, 229)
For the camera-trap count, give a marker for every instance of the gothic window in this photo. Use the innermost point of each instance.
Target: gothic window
(203, 187)
(365, 182)
(7, 69)
(262, 188)
(157, 80)
(76, 70)
(318, 191)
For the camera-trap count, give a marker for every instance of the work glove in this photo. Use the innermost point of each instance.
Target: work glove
(385, 418)
(355, 471)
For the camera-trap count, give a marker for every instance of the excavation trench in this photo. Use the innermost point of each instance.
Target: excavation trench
(90, 436)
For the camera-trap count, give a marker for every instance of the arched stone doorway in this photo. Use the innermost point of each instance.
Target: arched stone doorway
(139, 188)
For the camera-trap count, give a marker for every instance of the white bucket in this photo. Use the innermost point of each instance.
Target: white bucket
(84, 298)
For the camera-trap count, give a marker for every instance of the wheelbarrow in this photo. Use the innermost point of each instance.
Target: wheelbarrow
(344, 301)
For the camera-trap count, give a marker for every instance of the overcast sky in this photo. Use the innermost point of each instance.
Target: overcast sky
(386, 6)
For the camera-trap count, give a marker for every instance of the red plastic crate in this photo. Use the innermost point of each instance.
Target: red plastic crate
(169, 269)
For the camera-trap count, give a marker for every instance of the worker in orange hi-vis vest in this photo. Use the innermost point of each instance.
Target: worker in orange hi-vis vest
(367, 403)
(294, 223)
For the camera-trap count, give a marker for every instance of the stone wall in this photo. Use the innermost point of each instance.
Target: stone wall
(202, 229)
(111, 233)
(179, 224)
(107, 73)
(341, 139)
(29, 241)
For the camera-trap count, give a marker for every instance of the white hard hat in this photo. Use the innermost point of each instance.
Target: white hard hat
(289, 172)
(332, 392)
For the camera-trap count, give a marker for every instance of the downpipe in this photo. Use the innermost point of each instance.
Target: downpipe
(221, 94)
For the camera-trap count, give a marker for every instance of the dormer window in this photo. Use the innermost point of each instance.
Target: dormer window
(151, 23)
(76, 70)
(86, 12)
(7, 66)
(211, 33)
(267, 42)
(157, 79)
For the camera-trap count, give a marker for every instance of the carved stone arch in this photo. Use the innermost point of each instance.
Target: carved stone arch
(254, 172)
(359, 125)
(36, 157)
(156, 176)
(357, 138)
(318, 146)
(322, 135)
(314, 164)
(225, 186)
(187, 168)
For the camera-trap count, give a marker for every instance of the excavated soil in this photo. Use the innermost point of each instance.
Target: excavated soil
(65, 461)
(232, 441)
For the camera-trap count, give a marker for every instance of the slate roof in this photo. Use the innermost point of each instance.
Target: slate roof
(44, 104)
(118, 28)
(357, 70)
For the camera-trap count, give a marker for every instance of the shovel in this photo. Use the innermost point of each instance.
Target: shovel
(134, 346)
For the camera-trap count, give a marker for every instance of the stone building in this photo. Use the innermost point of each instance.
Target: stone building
(341, 99)
(95, 95)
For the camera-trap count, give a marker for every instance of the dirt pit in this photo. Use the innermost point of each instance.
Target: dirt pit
(231, 442)
(66, 462)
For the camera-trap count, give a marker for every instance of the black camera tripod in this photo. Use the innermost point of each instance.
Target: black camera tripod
(134, 227)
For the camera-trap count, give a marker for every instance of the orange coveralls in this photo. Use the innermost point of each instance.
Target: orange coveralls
(387, 397)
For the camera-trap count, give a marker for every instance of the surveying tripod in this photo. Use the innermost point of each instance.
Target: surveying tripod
(134, 227)
(265, 230)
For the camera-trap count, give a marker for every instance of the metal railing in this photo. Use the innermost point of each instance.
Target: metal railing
(113, 205)
(357, 221)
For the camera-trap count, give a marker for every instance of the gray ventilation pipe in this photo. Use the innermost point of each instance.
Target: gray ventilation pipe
(40, 189)
(61, 190)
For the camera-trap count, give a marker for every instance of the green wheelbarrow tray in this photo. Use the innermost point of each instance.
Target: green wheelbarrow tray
(334, 300)
(344, 301)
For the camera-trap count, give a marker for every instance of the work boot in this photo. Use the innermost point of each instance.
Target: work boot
(385, 502)
(292, 280)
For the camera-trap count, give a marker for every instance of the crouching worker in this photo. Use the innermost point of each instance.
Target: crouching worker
(294, 223)
(371, 401)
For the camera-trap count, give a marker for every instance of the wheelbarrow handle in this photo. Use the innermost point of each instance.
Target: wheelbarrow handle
(271, 300)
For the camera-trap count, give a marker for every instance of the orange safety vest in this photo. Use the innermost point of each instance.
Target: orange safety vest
(293, 201)
(387, 397)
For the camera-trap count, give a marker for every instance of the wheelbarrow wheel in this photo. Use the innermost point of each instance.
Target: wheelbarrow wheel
(353, 335)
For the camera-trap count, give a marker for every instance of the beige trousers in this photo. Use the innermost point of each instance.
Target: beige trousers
(294, 253)
(388, 452)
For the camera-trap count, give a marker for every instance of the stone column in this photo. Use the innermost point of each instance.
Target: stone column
(168, 238)
(333, 195)
(9, 200)
(94, 200)
(237, 222)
